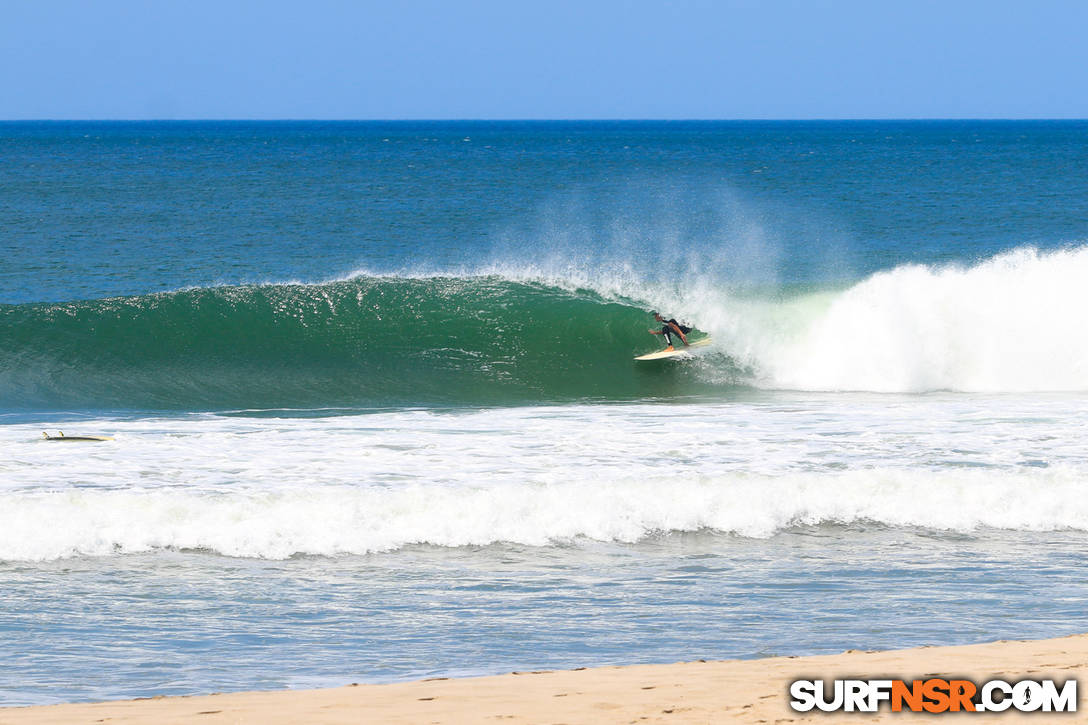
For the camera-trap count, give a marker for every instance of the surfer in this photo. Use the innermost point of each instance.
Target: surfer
(668, 329)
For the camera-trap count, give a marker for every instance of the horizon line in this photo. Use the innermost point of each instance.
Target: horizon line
(888, 119)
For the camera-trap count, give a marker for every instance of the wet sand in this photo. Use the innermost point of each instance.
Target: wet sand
(742, 691)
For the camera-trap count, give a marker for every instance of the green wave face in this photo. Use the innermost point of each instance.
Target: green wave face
(367, 341)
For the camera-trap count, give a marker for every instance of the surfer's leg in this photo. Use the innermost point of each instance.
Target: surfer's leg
(666, 331)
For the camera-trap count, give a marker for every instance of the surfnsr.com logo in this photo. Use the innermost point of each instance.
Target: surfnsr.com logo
(933, 695)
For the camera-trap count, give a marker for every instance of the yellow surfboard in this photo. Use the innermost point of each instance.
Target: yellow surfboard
(680, 352)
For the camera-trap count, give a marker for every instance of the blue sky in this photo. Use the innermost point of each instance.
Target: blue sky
(327, 59)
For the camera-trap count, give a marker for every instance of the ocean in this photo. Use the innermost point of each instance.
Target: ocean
(375, 415)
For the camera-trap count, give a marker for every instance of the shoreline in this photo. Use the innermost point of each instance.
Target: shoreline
(748, 691)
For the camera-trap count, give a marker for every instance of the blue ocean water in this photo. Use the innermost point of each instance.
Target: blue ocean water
(93, 210)
(375, 413)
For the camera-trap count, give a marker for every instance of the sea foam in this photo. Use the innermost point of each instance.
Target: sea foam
(1011, 323)
(343, 520)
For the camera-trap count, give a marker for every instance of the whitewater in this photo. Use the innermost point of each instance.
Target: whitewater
(278, 487)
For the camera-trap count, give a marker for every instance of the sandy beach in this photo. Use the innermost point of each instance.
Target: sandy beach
(748, 691)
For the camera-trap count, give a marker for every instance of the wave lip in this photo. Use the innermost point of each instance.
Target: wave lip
(342, 520)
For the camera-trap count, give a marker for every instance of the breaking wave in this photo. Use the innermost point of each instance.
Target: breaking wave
(1011, 323)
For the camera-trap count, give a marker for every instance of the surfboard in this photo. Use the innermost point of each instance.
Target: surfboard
(679, 352)
(63, 437)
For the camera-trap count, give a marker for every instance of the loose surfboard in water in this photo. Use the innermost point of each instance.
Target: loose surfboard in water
(63, 437)
(680, 351)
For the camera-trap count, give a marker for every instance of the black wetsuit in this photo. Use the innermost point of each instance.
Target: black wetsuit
(668, 331)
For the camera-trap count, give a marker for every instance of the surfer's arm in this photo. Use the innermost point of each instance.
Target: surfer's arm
(678, 332)
(655, 332)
